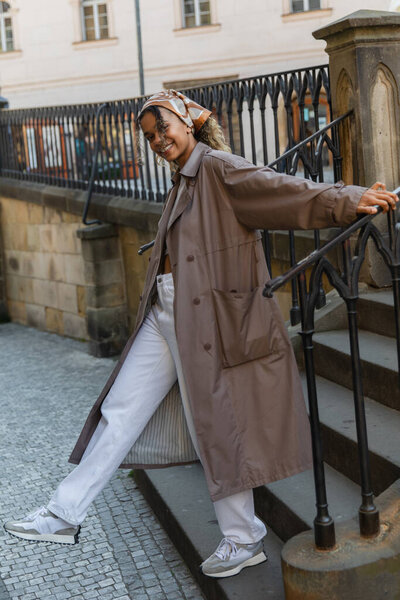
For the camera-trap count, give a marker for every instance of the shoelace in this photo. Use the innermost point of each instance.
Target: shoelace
(40, 511)
(227, 547)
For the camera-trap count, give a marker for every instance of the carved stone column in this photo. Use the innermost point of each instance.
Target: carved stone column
(364, 51)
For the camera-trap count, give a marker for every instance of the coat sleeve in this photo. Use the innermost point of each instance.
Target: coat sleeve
(264, 199)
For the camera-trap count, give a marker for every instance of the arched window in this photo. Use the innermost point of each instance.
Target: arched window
(304, 5)
(94, 20)
(6, 31)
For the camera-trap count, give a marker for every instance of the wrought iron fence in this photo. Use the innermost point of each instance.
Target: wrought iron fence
(346, 283)
(261, 117)
(282, 119)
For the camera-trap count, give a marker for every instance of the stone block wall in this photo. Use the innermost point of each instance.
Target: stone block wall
(81, 281)
(43, 268)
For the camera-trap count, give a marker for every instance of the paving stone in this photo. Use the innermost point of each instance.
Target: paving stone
(49, 383)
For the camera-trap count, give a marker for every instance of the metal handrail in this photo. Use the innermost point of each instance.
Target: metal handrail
(347, 286)
(93, 172)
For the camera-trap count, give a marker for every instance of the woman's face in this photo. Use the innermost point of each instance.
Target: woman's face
(176, 143)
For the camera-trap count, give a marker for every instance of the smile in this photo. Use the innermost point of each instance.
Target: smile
(167, 149)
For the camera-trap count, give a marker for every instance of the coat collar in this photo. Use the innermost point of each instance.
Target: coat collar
(191, 166)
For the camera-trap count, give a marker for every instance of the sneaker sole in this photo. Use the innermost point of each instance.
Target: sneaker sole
(250, 562)
(47, 537)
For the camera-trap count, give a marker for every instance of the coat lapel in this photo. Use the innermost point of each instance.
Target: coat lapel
(189, 171)
(183, 200)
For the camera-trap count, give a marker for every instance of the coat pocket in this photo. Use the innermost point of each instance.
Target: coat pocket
(248, 325)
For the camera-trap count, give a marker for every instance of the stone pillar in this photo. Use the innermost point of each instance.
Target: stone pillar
(364, 50)
(106, 309)
(364, 65)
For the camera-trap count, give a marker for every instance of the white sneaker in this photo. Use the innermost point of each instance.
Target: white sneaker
(44, 526)
(231, 557)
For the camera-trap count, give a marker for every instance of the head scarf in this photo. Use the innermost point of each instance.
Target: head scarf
(186, 109)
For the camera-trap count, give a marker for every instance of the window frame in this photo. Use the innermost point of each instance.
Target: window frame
(3, 40)
(95, 4)
(306, 7)
(196, 14)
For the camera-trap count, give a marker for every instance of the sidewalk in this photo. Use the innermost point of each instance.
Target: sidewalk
(48, 384)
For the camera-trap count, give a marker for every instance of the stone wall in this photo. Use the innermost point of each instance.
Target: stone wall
(65, 277)
(43, 268)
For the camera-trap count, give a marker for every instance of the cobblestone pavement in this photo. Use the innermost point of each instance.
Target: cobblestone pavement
(48, 384)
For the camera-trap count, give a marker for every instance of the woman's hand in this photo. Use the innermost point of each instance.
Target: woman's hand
(377, 195)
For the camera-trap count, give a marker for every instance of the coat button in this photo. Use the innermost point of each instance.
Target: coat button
(190, 258)
(196, 301)
(140, 297)
(207, 346)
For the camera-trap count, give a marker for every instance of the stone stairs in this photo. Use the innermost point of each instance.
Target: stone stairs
(179, 495)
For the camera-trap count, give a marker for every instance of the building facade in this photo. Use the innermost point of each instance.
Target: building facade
(79, 51)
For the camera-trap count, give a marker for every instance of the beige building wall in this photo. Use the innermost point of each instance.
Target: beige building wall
(51, 64)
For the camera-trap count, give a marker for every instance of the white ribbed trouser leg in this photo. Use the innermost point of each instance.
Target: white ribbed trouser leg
(149, 371)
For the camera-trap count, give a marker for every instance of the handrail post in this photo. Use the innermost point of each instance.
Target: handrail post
(368, 513)
(324, 527)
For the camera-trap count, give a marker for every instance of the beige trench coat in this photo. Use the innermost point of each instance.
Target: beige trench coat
(242, 379)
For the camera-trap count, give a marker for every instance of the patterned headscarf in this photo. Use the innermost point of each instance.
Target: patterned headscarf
(186, 109)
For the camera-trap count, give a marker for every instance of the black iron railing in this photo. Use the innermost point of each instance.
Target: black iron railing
(261, 117)
(346, 283)
(282, 119)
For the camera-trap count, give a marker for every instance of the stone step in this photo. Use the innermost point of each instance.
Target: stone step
(289, 504)
(378, 359)
(180, 500)
(336, 413)
(376, 312)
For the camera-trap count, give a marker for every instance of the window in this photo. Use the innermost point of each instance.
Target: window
(6, 32)
(196, 13)
(304, 5)
(95, 21)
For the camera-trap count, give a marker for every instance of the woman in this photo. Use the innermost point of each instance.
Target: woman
(204, 322)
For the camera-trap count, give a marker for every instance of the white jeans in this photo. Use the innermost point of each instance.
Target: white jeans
(149, 371)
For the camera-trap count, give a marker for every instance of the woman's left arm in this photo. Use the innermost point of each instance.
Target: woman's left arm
(264, 199)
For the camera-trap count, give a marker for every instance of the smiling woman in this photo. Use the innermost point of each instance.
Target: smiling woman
(163, 118)
(209, 372)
